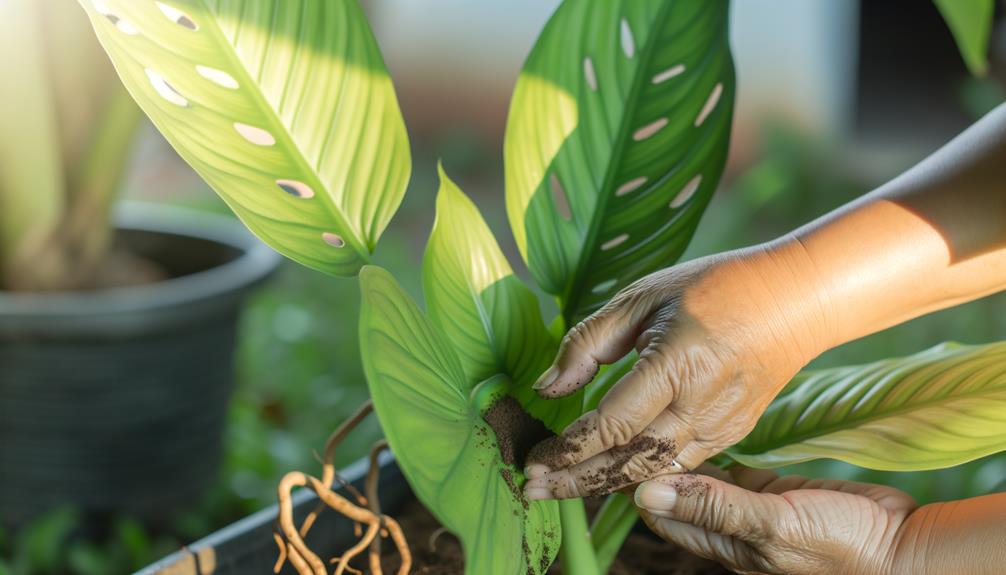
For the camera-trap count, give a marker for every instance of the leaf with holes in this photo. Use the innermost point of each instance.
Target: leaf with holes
(970, 21)
(616, 139)
(490, 317)
(284, 107)
(432, 419)
(939, 408)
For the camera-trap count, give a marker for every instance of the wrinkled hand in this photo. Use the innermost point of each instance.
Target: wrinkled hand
(768, 524)
(717, 337)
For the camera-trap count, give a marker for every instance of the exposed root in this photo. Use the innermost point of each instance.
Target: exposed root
(366, 511)
(282, 551)
(370, 487)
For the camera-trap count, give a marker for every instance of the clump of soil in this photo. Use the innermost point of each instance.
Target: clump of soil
(516, 431)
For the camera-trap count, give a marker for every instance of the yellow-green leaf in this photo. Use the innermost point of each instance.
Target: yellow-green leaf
(938, 408)
(283, 106)
(490, 317)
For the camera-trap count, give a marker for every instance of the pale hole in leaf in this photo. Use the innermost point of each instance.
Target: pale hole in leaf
(257, 136)
(559, 197)
(614, 242)
(177, 16)
(628, 42)
(334, 240)
(588, 73)
(604, 286)
(669, 73)
(630, 186)
(218, 77)
(711, 101)
(649, 129)
(124, 26)
(165, 90)
(687, 192)
(295, 188)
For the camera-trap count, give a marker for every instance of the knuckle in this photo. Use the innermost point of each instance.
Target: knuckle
(640, 467)
(614, 429)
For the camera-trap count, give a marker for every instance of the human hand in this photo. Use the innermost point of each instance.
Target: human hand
(770, 524)
(718, 337)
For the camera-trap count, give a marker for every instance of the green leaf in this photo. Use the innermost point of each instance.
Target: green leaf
(970, 21)
(938, 408)
(448, 453)
(285, 108)
(490, 317)
(616, 139)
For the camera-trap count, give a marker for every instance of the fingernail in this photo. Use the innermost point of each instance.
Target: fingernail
(537, 493)
(547, 378)
(536, 482)
(536, 470)
(655, 496)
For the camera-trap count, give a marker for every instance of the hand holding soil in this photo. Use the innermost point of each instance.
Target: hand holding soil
(715, 346)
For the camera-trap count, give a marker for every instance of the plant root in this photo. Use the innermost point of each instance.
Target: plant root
(364, 512)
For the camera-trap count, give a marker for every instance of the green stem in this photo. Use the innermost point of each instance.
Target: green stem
(611, 526)
(576, 554)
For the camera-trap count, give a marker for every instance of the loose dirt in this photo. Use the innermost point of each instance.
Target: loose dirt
(516, 431)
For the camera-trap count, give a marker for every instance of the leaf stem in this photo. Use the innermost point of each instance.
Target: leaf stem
(576, 554)
(611, 526)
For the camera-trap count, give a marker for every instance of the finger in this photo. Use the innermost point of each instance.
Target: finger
(713, 505)
(694, 455)
(726, 550)
(604, 337)
(752, 479)
(611, 425)
(650, 454)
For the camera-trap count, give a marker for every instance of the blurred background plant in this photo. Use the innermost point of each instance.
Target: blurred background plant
(66, 129)
(834, 98)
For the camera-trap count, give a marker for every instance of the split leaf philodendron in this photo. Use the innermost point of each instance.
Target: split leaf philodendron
(284, 108)
(616, 139)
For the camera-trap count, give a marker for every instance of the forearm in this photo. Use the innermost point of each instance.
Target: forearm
(930, 239)
(966, 536)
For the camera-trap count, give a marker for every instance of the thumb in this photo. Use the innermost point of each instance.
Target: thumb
(713, 505)
(604, 337)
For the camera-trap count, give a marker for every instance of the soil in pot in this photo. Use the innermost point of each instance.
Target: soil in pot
(437, 552)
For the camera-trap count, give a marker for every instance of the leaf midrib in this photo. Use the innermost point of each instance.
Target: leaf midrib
(280, 131)
(846, 425)
(574, 289)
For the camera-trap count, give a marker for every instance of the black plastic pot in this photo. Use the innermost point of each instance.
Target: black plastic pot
(247, 547)
(115, 399)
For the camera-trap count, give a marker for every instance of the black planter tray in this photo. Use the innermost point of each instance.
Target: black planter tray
(247, 546)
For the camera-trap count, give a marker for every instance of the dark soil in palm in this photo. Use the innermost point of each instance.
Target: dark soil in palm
(641, 555)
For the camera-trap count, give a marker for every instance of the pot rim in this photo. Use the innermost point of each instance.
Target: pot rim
(254, 264)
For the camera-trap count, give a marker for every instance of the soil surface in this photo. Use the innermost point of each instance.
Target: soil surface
(516, 431)
(641, 554)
